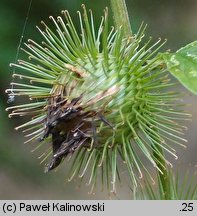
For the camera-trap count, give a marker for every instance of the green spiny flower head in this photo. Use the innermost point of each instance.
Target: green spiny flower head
(97, 96)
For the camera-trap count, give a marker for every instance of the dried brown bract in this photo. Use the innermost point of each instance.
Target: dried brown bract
(70, 126)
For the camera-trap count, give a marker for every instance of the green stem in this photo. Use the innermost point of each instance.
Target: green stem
(121, 17)
(162, 177)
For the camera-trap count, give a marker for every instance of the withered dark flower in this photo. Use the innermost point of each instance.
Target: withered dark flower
(70, 126)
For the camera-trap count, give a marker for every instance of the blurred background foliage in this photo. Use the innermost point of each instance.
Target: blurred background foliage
(21, 176)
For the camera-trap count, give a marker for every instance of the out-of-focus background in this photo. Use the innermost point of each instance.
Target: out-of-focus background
(21, 175)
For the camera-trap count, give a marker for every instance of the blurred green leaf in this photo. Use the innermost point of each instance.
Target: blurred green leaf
(183, 65)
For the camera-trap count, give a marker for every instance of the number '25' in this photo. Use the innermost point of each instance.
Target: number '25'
(187, 207)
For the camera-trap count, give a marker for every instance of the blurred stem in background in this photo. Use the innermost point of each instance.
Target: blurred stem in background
(120, 16)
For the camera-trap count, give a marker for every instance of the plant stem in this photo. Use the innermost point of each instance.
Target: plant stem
(121, 17)
(162, 177)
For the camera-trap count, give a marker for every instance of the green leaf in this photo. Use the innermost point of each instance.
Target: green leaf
(183, 65)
